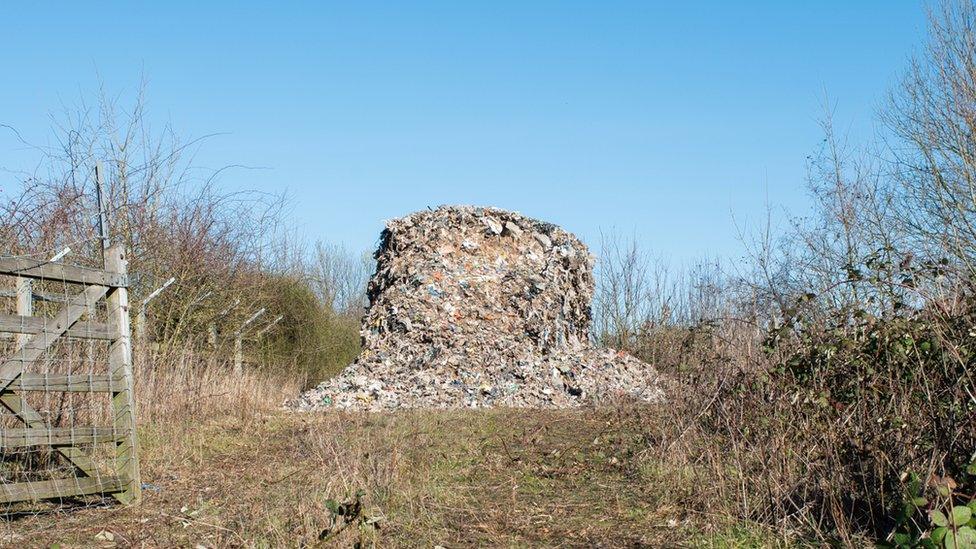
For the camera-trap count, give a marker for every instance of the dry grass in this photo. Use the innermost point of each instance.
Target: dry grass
(233, 469)
(192, 384)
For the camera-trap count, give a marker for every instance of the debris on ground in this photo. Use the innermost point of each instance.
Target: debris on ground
(479, 307)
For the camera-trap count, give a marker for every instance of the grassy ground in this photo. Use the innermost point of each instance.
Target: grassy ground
(502, 478)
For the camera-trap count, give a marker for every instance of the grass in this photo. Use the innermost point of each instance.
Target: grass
(498, 478)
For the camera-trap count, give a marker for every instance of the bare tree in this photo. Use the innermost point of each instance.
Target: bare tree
(932, 117)
(339, 276)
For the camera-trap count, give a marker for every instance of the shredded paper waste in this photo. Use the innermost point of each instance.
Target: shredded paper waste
(477, 307)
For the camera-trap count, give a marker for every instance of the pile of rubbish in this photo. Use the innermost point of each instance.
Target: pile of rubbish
(478, 307)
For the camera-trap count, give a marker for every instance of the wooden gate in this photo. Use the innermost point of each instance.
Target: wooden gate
(67, 414)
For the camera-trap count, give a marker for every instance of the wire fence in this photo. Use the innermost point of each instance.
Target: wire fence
(67, 418)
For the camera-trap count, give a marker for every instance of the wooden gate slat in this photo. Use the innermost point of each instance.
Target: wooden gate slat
(32, 418)
(38, 343)
(42, 270)
(59, 488)
(18, 324)
(57, 436)
(79, 383)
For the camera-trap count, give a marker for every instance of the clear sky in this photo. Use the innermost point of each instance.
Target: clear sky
(660, 119)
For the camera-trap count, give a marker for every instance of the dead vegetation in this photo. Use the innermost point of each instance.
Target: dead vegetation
(450, 478)
(830, 391)
(229, 252)
(834, 369)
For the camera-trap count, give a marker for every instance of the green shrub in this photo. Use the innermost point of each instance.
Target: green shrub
(311, 338)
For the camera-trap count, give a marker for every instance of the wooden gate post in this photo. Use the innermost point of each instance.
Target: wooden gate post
(120, 369)
(239, 341)
(25, 304)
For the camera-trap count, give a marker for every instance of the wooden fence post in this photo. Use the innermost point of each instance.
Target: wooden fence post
(239, 341)
(25, 304)
(212, 326)
(102, 210)
(144, 306)
(120, 368)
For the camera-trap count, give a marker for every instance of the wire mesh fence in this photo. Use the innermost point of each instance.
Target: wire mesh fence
(67, 429)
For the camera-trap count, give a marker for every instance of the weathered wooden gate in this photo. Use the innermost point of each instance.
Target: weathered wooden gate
(67, 414)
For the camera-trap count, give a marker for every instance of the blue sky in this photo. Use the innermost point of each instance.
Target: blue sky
(657, 119)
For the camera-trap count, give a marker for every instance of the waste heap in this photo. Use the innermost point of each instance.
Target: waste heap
(477, 307)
